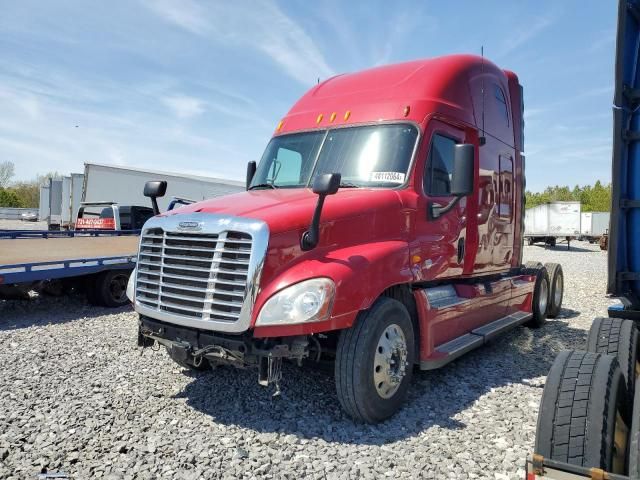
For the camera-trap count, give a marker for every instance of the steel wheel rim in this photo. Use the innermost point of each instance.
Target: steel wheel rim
(543, 296)
(557, 290)
(390, 361)
(118, 287)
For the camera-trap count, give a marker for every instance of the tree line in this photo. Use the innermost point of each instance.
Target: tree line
(594, 198)
(23, 194)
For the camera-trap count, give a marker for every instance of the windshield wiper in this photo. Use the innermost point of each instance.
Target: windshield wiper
(263, 185)
(349, 185)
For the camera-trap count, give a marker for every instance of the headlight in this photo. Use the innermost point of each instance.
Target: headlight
(131, 285)
(308, 301)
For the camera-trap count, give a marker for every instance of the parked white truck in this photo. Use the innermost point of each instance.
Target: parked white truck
(552, 221)
(593, 225)
(104, 186)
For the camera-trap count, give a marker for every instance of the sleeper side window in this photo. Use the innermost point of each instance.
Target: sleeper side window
(502, 103)
(437, 177)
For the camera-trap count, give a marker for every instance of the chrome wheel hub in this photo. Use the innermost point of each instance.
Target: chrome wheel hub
(390, 361)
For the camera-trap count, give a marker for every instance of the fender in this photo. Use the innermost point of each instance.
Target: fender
(361, 273)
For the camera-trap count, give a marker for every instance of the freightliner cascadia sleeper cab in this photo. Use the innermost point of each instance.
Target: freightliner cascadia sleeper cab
(382, 230)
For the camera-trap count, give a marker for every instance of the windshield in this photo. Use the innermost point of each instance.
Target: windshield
(368, 156)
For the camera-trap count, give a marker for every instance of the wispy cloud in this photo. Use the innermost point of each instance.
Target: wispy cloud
(525, 33)
(184, 106)
(260, 25)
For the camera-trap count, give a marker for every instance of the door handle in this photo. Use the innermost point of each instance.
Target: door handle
(461, 244)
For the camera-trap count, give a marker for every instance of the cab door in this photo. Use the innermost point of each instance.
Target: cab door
(445, 244)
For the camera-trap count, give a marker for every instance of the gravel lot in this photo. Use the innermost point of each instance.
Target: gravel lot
(77, 396)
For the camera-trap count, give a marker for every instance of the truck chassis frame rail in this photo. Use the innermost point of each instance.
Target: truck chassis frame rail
(540, 468)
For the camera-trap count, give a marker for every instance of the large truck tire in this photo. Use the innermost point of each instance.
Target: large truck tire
(619, 338)
(556, 290)
(540, 296)
(634, 436)
(374, 362)
(532, 264)
(110, 288)
(582, 413)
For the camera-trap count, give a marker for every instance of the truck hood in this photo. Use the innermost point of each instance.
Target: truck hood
(291, 209)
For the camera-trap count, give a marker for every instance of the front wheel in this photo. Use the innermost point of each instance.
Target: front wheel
(374, 362)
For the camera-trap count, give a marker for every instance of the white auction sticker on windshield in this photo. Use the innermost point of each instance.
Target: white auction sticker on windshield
(389, 177)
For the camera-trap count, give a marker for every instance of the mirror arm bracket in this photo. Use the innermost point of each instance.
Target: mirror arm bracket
(436, 211)
(310, 238)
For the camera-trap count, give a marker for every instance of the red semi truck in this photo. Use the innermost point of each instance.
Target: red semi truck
(382, 229)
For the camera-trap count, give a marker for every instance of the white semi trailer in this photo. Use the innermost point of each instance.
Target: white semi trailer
(593, 225)
(553, 221)
(125, 185)
(121, 186)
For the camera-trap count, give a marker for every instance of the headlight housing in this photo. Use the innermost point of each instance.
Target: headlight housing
(307, 301)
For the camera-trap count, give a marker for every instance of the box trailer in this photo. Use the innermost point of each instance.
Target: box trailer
(593, 225)
(125, 185)
(55, 204)
(552, 221)
(43, 203)
(72, 186)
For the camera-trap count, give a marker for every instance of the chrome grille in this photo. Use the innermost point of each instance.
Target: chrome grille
(198, 275)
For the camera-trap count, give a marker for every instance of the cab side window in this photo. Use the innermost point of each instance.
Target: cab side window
(437, 175)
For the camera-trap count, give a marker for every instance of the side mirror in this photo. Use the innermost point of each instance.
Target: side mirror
(323, 185)
(462, 179)
(463, 170)
(327, 183)
(155, 189)
(251, 171)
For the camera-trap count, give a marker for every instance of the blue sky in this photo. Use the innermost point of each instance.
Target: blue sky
(198, 87)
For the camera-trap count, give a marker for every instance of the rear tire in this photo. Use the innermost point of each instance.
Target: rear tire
(540, 300)
(111, 288)
(374, 362)
(619, 338)
(556, 290)
(581, 419)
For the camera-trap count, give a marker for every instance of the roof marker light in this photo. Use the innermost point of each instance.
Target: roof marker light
(319, 119)
(332, 117)
(347, 114)
(279, 127)
(407, 109)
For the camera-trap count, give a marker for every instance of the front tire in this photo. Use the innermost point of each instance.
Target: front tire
(374, 362)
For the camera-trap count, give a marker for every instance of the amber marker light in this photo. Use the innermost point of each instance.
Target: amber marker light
(332, 117)
(279, 127)
(407, 109)
(319, 119)
(347, 114)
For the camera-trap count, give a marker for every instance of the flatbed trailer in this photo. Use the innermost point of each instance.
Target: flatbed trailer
(102, 261)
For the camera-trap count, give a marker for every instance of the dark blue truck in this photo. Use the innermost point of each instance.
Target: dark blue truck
(589, 418)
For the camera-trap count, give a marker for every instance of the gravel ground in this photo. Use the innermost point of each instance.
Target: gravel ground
(77, 396)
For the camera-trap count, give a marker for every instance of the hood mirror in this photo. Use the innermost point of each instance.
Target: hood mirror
(323, 185)
(155, 189)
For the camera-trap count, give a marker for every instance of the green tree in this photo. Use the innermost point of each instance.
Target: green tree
(8, 198)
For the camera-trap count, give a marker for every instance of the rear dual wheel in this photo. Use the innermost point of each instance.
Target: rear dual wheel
(619, 338)
(583, 418)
